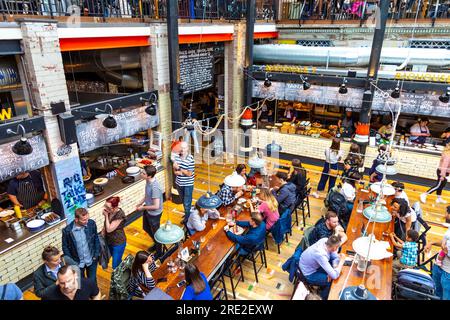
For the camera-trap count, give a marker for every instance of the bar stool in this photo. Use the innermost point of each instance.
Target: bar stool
(217, 283)
(253, 256)
(230, 268)
(303, 205)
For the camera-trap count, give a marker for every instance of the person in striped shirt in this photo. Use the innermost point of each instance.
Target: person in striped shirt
(141, 280)
(184, 169)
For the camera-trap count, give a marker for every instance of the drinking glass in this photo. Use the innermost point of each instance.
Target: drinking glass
(202, 239)
(214, 225)
(228, 218)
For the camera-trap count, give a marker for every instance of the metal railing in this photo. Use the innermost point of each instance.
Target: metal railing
(153, 9)
(362, 10)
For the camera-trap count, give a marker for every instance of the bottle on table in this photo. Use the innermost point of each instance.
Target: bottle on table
(18, 212)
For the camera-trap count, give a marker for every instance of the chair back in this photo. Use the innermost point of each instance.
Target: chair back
(305, 241)
(422, 241)
(286, 221)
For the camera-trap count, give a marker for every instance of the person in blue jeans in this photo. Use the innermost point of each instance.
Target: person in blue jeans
(321, 264)
(113, 230)
(332, 156)
(184, 170)
(80, 242)
(197, 284)
(441, 269)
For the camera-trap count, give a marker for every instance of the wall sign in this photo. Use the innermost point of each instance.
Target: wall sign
(413, 103)
(12, 164)
(423, 76)
(197, 66)
(92, 135)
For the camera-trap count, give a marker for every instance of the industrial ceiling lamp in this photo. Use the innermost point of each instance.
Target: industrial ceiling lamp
(343, 88)
(445, 97)
(396, 93)
(109, 121)
(267, 82)
(306, 84)
(21, 147)
(151, 104)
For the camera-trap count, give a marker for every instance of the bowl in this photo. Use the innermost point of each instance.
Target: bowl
(133, 171)
(128, 179)
(100, 182)
(36, 225)
(90, 199)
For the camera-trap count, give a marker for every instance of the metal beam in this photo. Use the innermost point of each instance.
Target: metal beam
(174, 67)
(249, 40)
(351, 82)
(87, 111)
(30, 125)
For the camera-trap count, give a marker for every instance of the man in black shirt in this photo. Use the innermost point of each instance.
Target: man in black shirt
(326, 227)
(26, 190)
(70, 286)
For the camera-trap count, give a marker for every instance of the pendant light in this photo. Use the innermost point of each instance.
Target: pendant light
(169, 233)
(306, 84)
(343, 88)
(109, 122)
(445, 97)
(396, 93)
(21, 147)
(151, 104)
(267, 82)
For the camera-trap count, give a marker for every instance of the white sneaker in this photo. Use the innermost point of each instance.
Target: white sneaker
(423, 197)
(315, 195)
(440, 200)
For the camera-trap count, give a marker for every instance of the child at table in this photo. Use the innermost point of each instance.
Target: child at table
(408, 251)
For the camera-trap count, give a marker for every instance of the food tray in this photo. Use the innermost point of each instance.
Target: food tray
(55, 220)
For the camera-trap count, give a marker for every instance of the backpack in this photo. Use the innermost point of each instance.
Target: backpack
(120, 278)
(336, 202)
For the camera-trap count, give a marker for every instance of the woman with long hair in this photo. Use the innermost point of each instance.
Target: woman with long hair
(268, 208)
(333, 155)
(141, 279)
(353, 161)
(197, 284)
(113, 229)
(405, 217)
(198, 218)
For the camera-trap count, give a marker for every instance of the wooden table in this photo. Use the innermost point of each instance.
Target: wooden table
(379, 273)
(209, 261)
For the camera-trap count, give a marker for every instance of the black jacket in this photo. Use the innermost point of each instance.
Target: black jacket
(68, 241)
(43, 280)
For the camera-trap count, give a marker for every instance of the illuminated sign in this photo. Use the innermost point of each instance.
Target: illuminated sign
(423, 76)
(290, 68)
(5, 113)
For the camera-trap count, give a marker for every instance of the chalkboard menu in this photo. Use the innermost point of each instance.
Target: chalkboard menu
(413, 103)
(12, 164)
(197, 66)
(92, 135)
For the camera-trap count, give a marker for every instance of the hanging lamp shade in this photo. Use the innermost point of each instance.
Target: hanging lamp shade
(234, 180)
(357, 293)
(110, 122)
(378, 249)
(256, 162)
(389, 170)
(247, 119)
(169, 233)
(209, 201)
(388, 190)
(22, 147)
(378, 214)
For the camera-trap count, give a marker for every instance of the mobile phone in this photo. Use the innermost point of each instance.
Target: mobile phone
(347, 263)
(181, 283)
(351, 253)
(164, 279)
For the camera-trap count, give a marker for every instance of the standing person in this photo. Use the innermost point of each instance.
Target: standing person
(26, 190)
(268, 208)
(419, 131)
(184, 169)
(46, 275)
(80, 242)
(405, 217)
(442, 171)
(346, 124)
(141, 279)
(70, 287)
(330, 169)
(197, 284)
(151, 204)
(113, 229)
(353, 161)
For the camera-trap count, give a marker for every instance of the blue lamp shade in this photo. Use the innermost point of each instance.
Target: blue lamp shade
(169, 233)
(209, 201)
(357, 293)
(380, 215)
(273, 147)
(388, 170)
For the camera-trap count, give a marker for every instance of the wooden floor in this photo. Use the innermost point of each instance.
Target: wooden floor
(273, 281)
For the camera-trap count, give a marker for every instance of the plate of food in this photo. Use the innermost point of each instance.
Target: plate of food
(6, 213)
(237, 230)
(50, 218)
(241, 201)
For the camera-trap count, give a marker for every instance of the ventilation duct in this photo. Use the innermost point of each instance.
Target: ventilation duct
(347, 56)
(8, 76)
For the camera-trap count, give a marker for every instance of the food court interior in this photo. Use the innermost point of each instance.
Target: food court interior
(223, 152)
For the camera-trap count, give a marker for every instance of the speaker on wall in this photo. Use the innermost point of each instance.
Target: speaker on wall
(67, 128)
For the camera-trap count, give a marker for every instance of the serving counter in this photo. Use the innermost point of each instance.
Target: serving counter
(410, 161)
(21, 257)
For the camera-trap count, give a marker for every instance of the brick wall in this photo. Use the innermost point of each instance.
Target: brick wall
(21, 261)
(408, 162)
